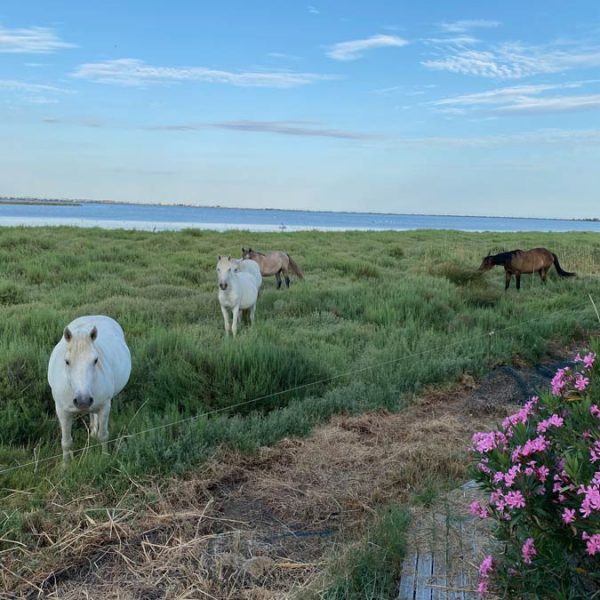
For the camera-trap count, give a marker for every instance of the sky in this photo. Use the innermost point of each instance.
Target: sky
(430, 107)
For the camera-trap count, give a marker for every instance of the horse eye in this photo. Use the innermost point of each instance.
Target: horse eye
(68, 362)
(95, 361)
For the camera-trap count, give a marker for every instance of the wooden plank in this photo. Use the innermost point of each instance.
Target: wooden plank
(424, 571)
(439, 578)
(407, 577)
(461, 581)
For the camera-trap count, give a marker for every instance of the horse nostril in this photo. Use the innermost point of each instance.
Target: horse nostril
(91, 400)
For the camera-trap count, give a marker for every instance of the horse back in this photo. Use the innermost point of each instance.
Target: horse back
(532, 260)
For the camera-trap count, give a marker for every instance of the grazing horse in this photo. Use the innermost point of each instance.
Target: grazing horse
(88, 367)
(237, 291)
(515, 262)
(275, 263)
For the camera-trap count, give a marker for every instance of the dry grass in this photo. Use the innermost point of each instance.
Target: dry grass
(254, 527)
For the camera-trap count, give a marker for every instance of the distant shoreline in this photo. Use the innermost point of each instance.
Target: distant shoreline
(36, 202)
(79, 202)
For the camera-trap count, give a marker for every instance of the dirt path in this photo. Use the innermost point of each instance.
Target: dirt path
(260, 527)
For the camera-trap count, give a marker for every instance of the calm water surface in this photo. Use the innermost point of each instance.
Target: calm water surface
(162, 218)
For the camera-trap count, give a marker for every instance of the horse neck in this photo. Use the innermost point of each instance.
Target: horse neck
(234, 282)
(502, 259)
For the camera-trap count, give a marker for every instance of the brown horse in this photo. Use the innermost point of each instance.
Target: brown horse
(274, 263)
(515, 262)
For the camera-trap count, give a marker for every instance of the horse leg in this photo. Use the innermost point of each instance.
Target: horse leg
(543, 272)
(94, 424)
(287, 279)
(518, 280)
(507, 278)
(236, 319)
(66, 421)
(226, 320)
(102, 419)
(278, 277)
(252, 314)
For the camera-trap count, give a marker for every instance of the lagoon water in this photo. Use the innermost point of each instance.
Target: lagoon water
(163, 218)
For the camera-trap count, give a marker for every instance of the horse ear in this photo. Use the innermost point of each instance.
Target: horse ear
(67, 334)
(229, 258)
(219, 257)
(243, 250)
(94, 333)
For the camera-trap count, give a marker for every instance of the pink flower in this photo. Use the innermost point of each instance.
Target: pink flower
(477, 509)
(568, 515)
(482, 588)
(595, 452)
(543, 473)
(539, 444)
(581, 382)
(558, 381)
(515, 500)
(509, 478)
(592, 542)
(595, 411)
(485, 441)
(486, 566)
(528, 551)
(591, 501)
(588, 360)
(553, 421)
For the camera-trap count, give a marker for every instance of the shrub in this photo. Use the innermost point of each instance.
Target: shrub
(541, 468)
(456, 273)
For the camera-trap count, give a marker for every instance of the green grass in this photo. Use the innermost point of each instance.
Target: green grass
(379, 316)
(369, 569)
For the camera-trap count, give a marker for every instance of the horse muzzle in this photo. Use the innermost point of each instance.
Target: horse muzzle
(83, 402)
(223, 286)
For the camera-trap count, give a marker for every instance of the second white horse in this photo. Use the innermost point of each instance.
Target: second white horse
(237, 291)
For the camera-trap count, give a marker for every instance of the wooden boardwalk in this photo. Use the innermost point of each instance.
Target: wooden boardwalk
(446, 547)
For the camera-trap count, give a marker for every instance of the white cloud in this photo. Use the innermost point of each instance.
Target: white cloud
(522, 99)
(32, 40)
(554, 104)
(542, 136)
(133, 72)
(515, 60)
(13, 85)
(294, 128)
(313, 10)
(291, 128)
(455, 40)
(354, 49)
(502, 95)
(467, 24)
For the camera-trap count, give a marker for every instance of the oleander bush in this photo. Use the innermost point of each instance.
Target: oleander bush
(541, 469)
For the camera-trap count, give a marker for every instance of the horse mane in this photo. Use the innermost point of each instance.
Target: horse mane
(502, 257)
(257, 252)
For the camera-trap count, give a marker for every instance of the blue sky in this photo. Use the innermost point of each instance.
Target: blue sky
(464, 107)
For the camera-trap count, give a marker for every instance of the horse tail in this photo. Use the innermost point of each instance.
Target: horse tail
(559, 269)
(294, 266)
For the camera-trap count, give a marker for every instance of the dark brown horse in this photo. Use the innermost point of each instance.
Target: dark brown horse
(515, 262)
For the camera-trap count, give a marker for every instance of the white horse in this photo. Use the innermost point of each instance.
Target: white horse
(88, 367)
(237, 291)
(251, 267)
